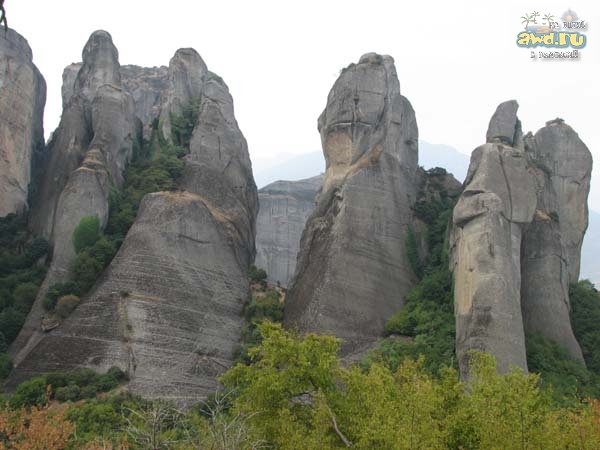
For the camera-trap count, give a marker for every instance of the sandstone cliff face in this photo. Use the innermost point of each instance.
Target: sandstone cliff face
(285, 206)
(187, 71)
(510, 259)
(22, 100)
(169, 307)
(146, 85)
(88, 152)
(552, 243)
(86, 123)
(352, 270)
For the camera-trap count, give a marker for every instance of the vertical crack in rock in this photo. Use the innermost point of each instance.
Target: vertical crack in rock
(352, 271)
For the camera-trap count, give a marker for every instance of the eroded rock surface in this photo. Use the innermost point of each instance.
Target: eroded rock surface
(352, 271)
(552, 243)
(22, 100)
(285, 206)
(146, 85)
(86, 155)
(511, 258)
(187, 71)
(168, 309)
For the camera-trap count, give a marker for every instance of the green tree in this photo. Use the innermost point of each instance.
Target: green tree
(284, 393)
(85, 270)
(5, 365)
(11, 321)
(585, 317)
(24, 296)
(86, 233)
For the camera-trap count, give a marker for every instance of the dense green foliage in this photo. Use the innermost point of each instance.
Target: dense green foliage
(66, 386)
(182, 125)
(570, 381)
(94, 253)
(266, 303)
(257, 275)
(21, 273)
(585, 318)
(86, 233)
(297, 394)
(425, 325)
(154, 168)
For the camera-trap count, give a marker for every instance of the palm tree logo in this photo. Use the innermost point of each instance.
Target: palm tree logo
(526, 19)
(534, 15)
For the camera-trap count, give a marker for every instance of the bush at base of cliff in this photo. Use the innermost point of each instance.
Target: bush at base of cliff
(585, 319)
(86, 233)
(66, 386)
(66, 305)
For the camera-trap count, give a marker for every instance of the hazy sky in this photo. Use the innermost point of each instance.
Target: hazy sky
(456, 60)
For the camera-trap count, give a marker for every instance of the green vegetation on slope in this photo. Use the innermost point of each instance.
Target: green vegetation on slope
(585, 318)
(425, 325)
(22, 270)
(154, 167)
(266, 303)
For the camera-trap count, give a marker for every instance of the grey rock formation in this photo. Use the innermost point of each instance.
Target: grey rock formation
(185, 83)
(505, 126)
(497, 201)
(87, 122)
(22, 100)
(511, 256)
(169, 307)
(87, 154)
(352, 271)
(552, 244)
(285, 206)
(146, 85)
(68, 82)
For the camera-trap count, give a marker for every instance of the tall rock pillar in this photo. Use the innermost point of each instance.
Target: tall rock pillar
(352, 271)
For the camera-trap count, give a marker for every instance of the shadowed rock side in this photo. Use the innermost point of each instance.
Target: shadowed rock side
(285, 206)
(22, 100)
(218, 166)
(508, 250)
(552, 243)
(146, 85)
(87, 154)
(169, 307)
(352, 271)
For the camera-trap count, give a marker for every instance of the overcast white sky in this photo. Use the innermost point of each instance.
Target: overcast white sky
(456, 60)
